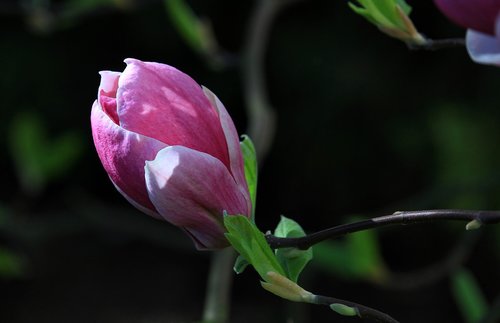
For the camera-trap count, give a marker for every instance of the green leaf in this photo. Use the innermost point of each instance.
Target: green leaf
(406, 7)
(251, 169)
(240, 265)
(468, 296)
(292, 260)
(390, 16)
(246, 238)
(187, 24)
(357, 257)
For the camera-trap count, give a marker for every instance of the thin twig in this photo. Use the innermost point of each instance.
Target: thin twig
(407, 217)
(436, 44)
(362, 311)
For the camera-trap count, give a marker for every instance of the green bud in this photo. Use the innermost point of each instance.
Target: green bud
(344, 309)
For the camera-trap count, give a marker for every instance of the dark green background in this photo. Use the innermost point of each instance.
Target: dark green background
(365, 127)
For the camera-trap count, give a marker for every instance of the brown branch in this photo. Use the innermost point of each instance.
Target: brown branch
(437, 44)
(475, 219)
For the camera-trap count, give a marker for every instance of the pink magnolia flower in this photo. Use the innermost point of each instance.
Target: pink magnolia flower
(171, 149)
(482, 20)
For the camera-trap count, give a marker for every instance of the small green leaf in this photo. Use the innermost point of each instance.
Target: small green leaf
(246, 238)
(240, 264)
(390, 16)
(251, 169)
(468, 296)
(292, 260)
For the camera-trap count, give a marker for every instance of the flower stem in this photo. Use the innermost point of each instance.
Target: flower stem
(217, 300)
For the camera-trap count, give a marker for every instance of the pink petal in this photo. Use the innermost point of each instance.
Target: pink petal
(192, 189)
(160, 102)
(106, 94)
(233, 144)
(483, 48)
(479, 15)
(123, 155)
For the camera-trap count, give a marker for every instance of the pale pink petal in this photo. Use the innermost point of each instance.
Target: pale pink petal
(483, 48)
(106, 95)
(233, 143)
(192, 189)
(161, 102)
(123, 155)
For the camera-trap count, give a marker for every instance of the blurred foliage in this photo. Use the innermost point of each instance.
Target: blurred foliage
(357, 257)
(364, 127)
(38, 159)
(468, 295)
(11, 265)
(196, 33)
(463, 143)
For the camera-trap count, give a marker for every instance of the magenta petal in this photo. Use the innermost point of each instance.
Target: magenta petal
(123, 155)
(233, 143)
(161, 102)
(191, 189)
(106, 95)
(479, 15)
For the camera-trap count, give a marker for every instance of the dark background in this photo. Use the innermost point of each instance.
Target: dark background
(365, 127)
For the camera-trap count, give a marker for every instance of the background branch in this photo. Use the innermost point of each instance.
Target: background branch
(434, 272)
(261, 117)
(217, 300)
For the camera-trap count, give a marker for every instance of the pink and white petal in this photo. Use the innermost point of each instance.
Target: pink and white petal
(192, 189)
(106, 95)
(483, 48)
(233, 142)
(123, 155)
(161, 102)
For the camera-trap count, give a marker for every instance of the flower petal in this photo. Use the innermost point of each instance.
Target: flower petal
(483, 48)
(479, 15)
(106, 94)
(123, 155)
(192, 189)
(233, 143)
(161, 102)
